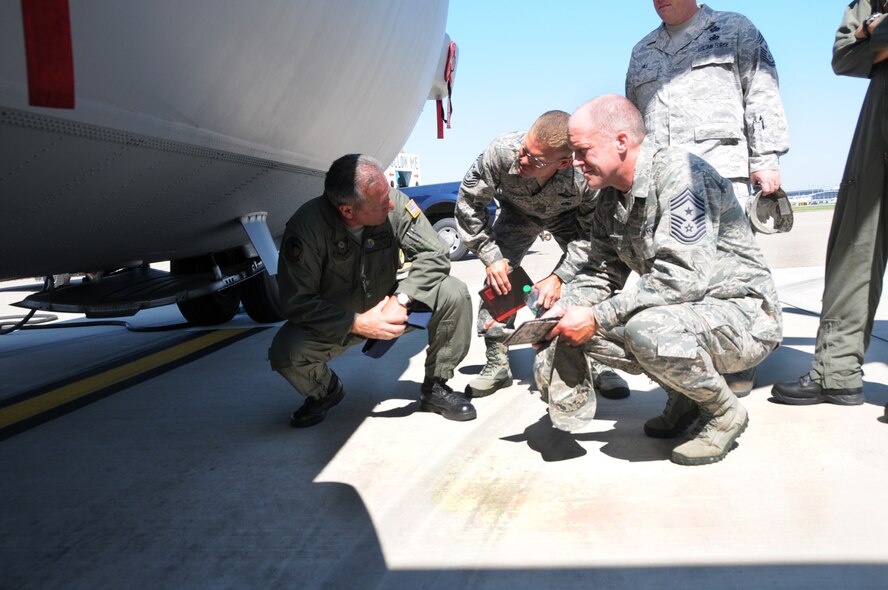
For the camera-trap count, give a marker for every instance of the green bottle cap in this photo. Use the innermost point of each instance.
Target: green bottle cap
(527, 288)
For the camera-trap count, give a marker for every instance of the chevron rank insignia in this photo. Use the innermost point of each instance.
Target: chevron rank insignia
(687, 214)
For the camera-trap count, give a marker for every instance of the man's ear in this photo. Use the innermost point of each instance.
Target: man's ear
(346, 211)
(622, 142)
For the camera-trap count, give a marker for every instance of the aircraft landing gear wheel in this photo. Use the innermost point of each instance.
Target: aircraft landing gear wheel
(260, 297)
(209, 310)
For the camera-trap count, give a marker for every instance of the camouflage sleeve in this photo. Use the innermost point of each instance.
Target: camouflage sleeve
(765, 121)
(684, 247)
(422, 247)
(578, 250)
(478, 188)
(853, 56)
(300, 267)
(600, 273)
(630, 88)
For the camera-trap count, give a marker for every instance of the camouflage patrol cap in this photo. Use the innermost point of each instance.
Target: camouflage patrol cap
(770, 214)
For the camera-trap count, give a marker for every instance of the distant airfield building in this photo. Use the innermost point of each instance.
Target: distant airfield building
(813, 196)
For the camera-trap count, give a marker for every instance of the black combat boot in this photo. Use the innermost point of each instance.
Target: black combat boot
(314, 410)
(806, 391)
(436, 396)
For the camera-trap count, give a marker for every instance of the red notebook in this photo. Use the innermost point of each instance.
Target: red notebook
(502, 306)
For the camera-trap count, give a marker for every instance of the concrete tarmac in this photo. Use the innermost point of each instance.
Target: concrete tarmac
(188, 475)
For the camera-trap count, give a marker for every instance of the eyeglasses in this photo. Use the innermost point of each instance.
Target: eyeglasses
(537, 162)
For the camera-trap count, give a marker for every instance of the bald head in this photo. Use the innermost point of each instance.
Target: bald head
(611, 114)
(605, 134)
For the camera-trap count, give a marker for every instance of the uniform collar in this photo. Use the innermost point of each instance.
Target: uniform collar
(334, 220)
(516, 148)
(644, 163)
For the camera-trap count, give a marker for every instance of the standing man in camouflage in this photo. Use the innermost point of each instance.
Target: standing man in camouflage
(858, 247)
(705, 302)
(338, 287)
(531, 176)
(706, 81)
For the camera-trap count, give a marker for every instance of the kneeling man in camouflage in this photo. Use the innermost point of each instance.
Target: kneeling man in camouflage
(704, 304)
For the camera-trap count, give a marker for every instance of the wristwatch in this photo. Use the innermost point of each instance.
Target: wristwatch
(870, 20)
(403, 299)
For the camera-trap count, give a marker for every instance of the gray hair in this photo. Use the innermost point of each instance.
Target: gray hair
(612, 113)
(349, 177)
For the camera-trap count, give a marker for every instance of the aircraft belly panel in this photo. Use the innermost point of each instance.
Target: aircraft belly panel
(147, 200)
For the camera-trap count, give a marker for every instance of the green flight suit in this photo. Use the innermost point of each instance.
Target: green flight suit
(326, 276)
(858, 243)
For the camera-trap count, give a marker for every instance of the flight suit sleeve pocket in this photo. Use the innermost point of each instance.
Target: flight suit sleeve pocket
(682, 346)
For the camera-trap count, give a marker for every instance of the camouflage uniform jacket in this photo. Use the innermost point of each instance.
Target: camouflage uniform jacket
(717, 96)
(681, 229)
(326, 275)
(851, 56)
(495, 175)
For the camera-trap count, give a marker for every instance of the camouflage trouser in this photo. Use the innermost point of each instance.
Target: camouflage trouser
(300, 355)
(685, 347)
(514, 233)
(742, 191)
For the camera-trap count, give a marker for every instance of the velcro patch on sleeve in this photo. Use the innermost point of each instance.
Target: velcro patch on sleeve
(413, 209)
(292, 249)
(687, 217)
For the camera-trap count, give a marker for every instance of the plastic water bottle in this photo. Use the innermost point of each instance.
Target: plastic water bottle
(530, 300)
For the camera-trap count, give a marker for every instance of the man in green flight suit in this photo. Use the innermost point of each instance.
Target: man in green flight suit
(338, 287)
(857, 249)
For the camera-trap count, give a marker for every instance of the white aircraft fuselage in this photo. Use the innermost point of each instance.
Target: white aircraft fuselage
(188, 115)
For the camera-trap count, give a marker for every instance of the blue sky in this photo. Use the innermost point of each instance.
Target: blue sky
(519, 59)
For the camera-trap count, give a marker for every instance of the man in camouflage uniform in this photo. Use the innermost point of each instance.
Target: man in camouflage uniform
(704, 303)
(531, 176)
(857, 247)
(706, 81)
(338, 287)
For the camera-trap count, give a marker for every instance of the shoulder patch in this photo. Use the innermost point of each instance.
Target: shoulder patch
(473, 176)
(413, 209)
(292, 249)
(687, 217)
(764, 52)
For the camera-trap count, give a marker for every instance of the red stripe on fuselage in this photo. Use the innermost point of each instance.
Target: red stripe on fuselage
(50, 59)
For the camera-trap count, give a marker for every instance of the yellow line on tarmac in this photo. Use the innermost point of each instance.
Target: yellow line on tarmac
(52, 399)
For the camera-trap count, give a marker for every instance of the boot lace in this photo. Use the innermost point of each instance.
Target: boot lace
(494, 362)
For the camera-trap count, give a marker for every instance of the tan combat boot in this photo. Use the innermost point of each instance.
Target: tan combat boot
(742, 382)
(680, 412)
(721, 422)
(496, 373)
